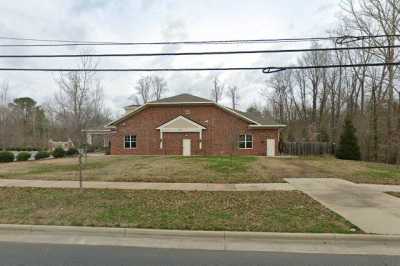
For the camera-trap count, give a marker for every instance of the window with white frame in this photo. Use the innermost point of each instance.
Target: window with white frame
(246, 141)
(130, 142)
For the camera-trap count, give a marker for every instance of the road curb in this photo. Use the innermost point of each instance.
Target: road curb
(100, 231)
(186, 233)
(204, 240)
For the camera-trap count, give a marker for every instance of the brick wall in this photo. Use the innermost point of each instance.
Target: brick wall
(219, 138)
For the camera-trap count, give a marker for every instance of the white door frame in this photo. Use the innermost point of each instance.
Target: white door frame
(271, 148)
(187, 147)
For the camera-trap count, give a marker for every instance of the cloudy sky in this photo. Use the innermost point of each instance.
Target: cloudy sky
(158, 20)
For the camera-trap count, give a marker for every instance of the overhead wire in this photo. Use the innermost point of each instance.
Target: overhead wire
(266, 70)
(58, 42)
(198, 53)
(340, 40)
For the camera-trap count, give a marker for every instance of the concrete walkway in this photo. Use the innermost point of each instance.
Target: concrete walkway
(146, 185)
(381, 188)
(366, 206)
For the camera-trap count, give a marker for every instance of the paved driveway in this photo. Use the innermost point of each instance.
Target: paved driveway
(365, 206)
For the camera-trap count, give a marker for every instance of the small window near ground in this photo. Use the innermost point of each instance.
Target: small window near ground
(130, 142)
(246, 142)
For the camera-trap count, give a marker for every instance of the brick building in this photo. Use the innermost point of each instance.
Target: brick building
(190, 125)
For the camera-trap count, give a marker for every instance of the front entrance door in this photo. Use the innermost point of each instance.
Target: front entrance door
(187, 147)
(270, 147)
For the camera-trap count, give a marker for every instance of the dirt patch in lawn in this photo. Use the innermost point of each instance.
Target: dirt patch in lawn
(233, 211)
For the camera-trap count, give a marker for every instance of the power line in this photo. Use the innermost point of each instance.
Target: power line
(266, 70)
(176, 42)
(200, 53)
(131, 69)
(231, 41)
(270, 70)
(56, 42)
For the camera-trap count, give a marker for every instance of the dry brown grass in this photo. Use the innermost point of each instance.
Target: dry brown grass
(234, 211)
(311, 167)
(329, 167)
(144, 169)
(203, 169)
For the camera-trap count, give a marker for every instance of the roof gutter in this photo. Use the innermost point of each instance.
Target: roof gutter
(267, 126)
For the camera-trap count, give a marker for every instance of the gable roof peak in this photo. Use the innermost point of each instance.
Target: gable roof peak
(181, 119)
(183, 98)
(186, 98)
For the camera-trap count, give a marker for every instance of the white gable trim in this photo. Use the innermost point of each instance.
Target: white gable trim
(196, 126)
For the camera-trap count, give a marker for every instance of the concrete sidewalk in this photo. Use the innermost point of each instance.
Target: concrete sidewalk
(381, 188)
(366, 206)
(146, 185)
(203, 240)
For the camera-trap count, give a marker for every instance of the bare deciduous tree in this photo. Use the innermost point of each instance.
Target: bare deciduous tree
(371, 17)
(143, 89)
(317, 100)
(149, 88)
(159, 87)
(4, 114)
(79, 101)
(217, 90)
(233, 93)
(4, 91)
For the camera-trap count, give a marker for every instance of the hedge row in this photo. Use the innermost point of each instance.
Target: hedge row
(61, 153)
(42, 155)
(23, 156)
(24, 149)
(8, 156)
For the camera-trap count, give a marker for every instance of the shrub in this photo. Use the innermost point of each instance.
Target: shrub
(348, 145)
(72, 152)
(6, 157)
(90, 148)
(59, 152)
(23, 156)
(42, 155)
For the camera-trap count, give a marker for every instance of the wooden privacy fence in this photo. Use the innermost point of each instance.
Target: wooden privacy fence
(308, 148)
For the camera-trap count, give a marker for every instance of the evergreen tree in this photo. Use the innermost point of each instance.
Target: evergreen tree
(348, 146)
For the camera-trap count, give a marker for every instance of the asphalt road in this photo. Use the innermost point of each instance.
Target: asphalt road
(54, 255)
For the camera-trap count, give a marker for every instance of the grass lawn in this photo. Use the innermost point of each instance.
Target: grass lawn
(234, 211)
(329, 167)
(145, 168)
(203, 169)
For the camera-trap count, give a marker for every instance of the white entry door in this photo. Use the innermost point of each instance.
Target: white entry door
(187, 147)
(270, 147)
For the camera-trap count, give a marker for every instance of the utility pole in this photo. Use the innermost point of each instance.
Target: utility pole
(80, 168)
